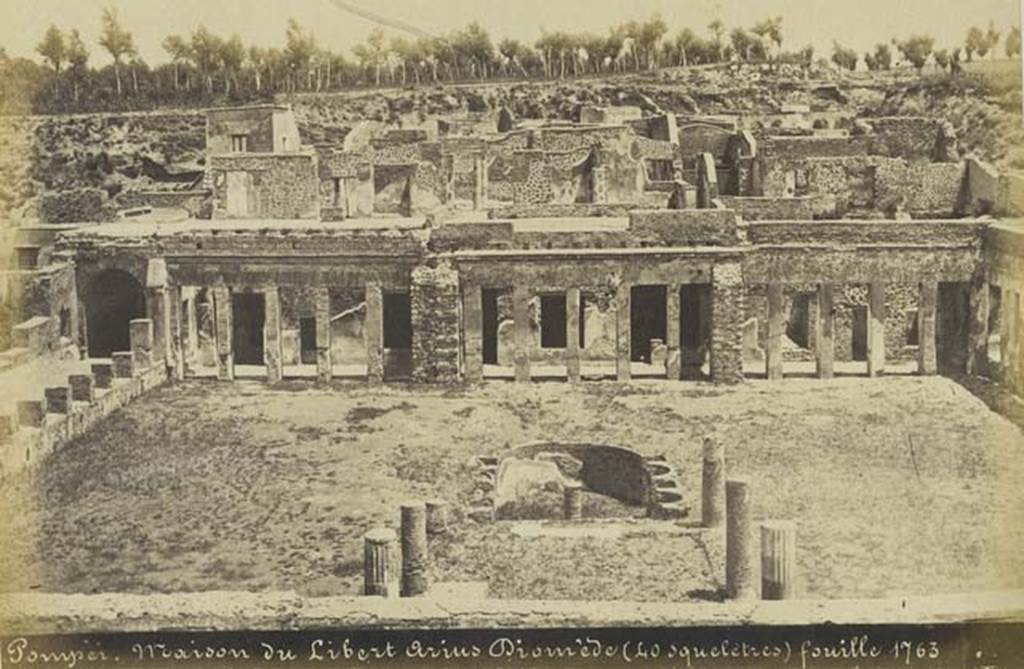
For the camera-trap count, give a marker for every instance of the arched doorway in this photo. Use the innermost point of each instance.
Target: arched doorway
(114, 298)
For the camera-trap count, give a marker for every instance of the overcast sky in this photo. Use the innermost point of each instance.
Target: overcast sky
(856, 23)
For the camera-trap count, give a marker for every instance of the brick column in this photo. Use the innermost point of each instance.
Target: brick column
(373, 333)
(436, 314)
(623, 346)
(473, 327)
(223, 327)
(191, 331)
(825, 345)
(673, 336)
(776, 331)
(927, 362)
(977, 346)
(727, 316)
(572, 335)
(876, 328)
(322, 314)
(273, 354)
(522, 334)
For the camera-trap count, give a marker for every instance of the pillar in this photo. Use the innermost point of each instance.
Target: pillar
(379, 575)
(273, 353)
(1004, 334)
(414, 549)
(140, 337)
(825, 330)
(448, 163)
(1011, 317)
(473, 326)
(728, 295)
(373, 332)
(977, 346)
(876, 328)
(223, 332)
(778, 560)
(712, 508)
(191, 329)
(158, 308)
(738, 573)
(927, 362)
(572, 334)
(776, 331)
(322, 316)
(572, 500)
(523, 336)
(176, 363)
(673, 336)
(623, 347)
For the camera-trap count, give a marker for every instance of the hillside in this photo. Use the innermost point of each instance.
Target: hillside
(113, 152)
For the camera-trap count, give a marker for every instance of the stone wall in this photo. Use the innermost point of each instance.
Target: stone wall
(284, 185)
(779, 208)
(80, 205)
(197, 203)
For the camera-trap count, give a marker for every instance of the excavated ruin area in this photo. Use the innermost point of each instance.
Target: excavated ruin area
(898, 486)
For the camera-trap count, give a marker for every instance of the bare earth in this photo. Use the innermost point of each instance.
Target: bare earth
(899, 486)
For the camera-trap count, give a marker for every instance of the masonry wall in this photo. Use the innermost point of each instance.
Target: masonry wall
(284, 186)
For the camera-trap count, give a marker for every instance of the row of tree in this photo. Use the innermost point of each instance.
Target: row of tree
(205, 68)
(919, 50)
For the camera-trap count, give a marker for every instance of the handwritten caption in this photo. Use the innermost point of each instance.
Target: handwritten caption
(859, 650)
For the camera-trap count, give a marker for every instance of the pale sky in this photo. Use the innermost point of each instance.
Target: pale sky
(855, 23)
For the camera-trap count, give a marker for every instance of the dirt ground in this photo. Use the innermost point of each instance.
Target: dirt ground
(898, 486)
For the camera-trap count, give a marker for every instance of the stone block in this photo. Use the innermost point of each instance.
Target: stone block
(57, 399)
(81, 386)
(122, 364)
(102, 374)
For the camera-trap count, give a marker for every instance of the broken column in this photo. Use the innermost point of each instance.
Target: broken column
(673, 336)
(623, 346)
(977, 345)
(523, 335)
(738, 573)
(572, 334)
(140, 337)
(572, 500)
(776, 331)
(436, 314)
(103, 374)
(379, 574)
(223, 332)
(414, 549)
(373, 332)
(824, 346)
(273, 353)
(876, 328)
(927, 362)
(81, 387)
(473, 326)
(122, 364)
(707, 181)
(778, 560)
(713, 484)
(727, 309)
(57, 399)
(322, 319)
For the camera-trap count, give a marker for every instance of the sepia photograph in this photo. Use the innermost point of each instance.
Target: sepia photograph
(543, 333)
